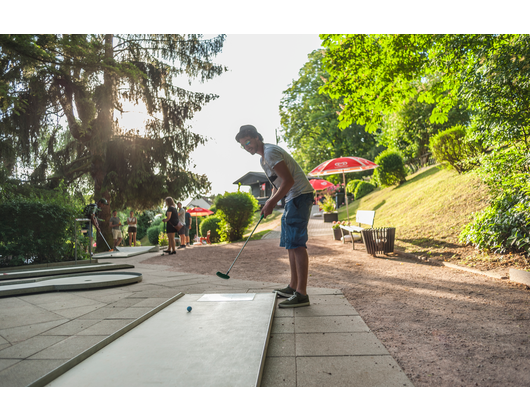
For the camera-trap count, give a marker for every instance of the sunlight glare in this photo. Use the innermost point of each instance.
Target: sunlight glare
(133, 117)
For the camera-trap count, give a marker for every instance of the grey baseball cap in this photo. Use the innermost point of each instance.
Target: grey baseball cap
(247, 131)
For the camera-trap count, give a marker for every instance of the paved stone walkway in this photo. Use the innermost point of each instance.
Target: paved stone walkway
(325, 344)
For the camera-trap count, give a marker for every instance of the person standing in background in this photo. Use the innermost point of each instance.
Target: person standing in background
(132, 223)
(116, 230)
(188, 226)
(172, 221)
(182, 231)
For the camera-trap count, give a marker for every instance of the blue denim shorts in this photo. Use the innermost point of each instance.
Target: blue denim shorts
(294, 221)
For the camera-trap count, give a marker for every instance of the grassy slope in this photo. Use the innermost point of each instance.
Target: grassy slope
(428, 211)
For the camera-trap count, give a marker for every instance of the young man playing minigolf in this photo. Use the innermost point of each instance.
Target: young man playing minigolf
(288, 181)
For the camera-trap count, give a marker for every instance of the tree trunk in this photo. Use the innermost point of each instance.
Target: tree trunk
(100, 143)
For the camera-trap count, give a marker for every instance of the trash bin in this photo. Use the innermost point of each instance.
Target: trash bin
(339, 200)
(379, 241)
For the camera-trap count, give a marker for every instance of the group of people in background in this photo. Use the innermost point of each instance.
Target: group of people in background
(117, 235)
(177, 219)
(91, 211)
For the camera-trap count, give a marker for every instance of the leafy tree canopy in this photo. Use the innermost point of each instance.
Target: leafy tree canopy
(409, 128)
(372, 75)
(309, 121)
(376, 74)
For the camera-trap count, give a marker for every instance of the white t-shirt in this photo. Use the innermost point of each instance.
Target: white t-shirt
(274, 154)
(182, 215)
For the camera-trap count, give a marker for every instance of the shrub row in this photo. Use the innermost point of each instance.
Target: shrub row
(33, 230)
(502, 226)
(359, 188)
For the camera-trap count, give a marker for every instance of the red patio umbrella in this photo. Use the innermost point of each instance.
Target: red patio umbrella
(199, 212)
(343, 165)
(320, 184)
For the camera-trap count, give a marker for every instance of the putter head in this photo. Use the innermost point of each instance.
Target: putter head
(223, 276)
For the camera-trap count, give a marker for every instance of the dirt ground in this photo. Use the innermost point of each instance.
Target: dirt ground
(468, 256)
(444, 327)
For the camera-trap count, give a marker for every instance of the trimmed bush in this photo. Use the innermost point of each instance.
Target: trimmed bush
(235, 211)
(391, 170)
(451, 148)
(363, 188)
(153, 233)
(352, 185)
(144, 222)
(211, 223)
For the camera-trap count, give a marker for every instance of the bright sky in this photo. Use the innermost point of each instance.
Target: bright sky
(261, 67)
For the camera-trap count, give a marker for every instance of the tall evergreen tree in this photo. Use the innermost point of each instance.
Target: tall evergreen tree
(47, 80)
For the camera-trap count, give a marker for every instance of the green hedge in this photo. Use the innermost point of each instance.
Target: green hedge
(37, 231)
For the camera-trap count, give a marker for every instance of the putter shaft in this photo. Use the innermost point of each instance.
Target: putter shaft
(261, 218)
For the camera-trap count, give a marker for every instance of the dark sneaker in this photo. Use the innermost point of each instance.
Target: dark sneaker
(182, 247)
(295, 301)
(286, 292)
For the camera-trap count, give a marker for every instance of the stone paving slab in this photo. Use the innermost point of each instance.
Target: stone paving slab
(350, 371)
(338, 344)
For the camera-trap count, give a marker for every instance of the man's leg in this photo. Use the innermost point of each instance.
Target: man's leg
(293, 284)
(299, 263)
(294, 237)
(182, 241)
